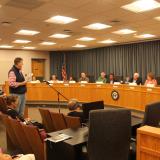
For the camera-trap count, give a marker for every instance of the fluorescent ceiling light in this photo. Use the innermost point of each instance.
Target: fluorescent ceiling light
(145, 36)
(157, 18)
(142, 5)
(124, 31)
(6, 46)
(61, 19)
(97, 26)
(108, 41)
(86, 39)
(79, 46)
(29, 47)
(27, 32)
(47, 43)
(58, 35)
(21, 41)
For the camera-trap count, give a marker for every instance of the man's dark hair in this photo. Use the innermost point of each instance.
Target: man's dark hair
(17, 60)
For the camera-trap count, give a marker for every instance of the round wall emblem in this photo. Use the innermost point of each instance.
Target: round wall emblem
(115, 95)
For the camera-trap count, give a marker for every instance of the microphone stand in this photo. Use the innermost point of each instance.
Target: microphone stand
(58, 95)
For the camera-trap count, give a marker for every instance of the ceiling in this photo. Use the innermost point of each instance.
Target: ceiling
(24, 14)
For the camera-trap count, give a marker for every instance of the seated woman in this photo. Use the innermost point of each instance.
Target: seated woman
(151, 79)
(74, 108)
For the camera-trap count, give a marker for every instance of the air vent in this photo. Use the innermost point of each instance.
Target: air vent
(26, 4)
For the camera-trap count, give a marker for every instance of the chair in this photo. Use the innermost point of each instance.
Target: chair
(46, 120)
(21, 137)
(12, 141)
(152, 115)
(109, 134)
(72, 122)
(35, 141)
(58, 121)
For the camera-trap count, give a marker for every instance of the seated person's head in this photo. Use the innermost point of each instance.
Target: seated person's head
(136, 76)
(111, 76)
(71, 78)
(150, 76)
(73, 105)
(103, 74)
(83, 75)
(54, 77)
(12, 101)
(5, 157)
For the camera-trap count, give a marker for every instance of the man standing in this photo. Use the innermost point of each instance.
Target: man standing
(17, 84)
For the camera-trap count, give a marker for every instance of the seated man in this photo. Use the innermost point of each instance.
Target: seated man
(111, 79)
(54, 78)
(102, 78)
(136, 79)
(74, 108)
(84, 77)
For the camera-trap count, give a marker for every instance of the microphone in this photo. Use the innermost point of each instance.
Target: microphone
(46, 82)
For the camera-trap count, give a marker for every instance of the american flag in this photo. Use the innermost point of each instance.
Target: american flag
(64, 73)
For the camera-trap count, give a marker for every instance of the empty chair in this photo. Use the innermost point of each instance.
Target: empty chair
(21, 137)
(72, 122)
(109, 134)
(58, 121)
(152, 115)
(35, 141)
(46, 120)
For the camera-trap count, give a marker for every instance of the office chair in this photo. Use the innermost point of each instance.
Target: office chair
(109, 134)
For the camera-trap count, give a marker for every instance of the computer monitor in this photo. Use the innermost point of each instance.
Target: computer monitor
(87, 107)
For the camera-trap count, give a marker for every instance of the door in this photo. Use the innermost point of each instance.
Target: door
(38, 66)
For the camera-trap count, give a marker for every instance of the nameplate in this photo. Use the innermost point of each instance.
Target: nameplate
(83, 85)
(99, 85)
(132, 87)
(66, 84)
(149, 89)
(115, 86)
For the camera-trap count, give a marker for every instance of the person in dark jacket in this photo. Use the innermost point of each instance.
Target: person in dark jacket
(111, 78)
(17, 84)
(74, 108)
(136, 79)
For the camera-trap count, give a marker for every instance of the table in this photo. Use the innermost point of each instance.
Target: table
(71, 149)
(132, 97)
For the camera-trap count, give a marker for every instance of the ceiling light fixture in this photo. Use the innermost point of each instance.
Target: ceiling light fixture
(142, 5)
(145, 36)
(108, 41)
(21, 41)
(124, 31)
(61, 19)
(97, 26)
(79, 46)
(29, 48)
(6, 46)
(86, 39)
(27, 32)
(47, 43)
(58, 35)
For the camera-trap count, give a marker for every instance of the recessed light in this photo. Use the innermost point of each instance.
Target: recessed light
(79, 46)
(157, 18)
(21, 41)
(97, 26)
(61, 19)
(86, 39)
(6, 46)
(58, 35)
(145, 36)
(47, 43)
(29, 47)
(108, 41)
(142, 5)
(124, 31)
(27, 32)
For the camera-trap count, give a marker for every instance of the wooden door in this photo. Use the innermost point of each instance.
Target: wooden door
(38, 68)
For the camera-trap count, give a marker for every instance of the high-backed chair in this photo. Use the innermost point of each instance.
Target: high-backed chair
(21, 137)
(109, 134)
(46, 120)
(35, 141)
(72, 122)
(152, 115)
(58, 121)
(11, 136)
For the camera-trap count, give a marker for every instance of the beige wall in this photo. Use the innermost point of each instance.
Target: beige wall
(7, 58)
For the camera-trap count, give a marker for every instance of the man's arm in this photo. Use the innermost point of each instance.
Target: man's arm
(12, 80)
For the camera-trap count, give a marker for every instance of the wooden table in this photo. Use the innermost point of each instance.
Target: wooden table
(133, 97)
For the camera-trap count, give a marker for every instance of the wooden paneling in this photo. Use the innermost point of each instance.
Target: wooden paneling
(148, 143)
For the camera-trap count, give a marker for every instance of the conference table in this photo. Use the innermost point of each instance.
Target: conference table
(123, 95)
